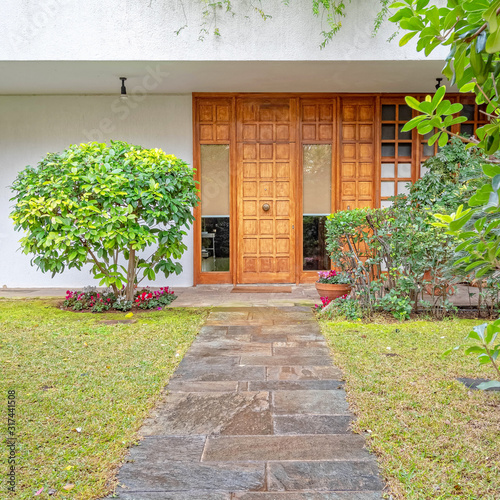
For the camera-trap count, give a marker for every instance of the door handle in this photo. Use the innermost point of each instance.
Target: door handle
(266, 207)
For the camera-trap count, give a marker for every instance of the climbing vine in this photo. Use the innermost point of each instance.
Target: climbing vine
(331, 13)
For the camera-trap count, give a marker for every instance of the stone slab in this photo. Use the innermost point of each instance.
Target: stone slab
(230, 348)
(177, 495)
(228, 315)
(300, 350)
(220, 373)
(238, 322)
(472, 383)
(294, 385)
(246, 329)
(311, 424)
(211, 413)
(302, 344)
(329, 476)
(303, 373)
(310, 495)
(309, 328)
(310, 402)
(178, 385)
(304, 337)
(179, 448)
(279, 448)
(283, 360)
(182, 476)
(192, 359)
(269, 338)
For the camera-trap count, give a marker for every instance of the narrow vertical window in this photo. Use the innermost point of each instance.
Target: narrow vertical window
(214, 207)
(317, 203)
(397, 152)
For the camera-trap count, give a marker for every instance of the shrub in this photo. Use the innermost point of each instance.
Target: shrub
(343, 307)
(106, 205)
(154, 299)
(90, 299)
(395, 253)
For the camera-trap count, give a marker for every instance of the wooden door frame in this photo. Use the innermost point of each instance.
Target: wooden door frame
(301, 276)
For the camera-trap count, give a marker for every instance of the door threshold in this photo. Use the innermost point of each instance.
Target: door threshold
(262, 288)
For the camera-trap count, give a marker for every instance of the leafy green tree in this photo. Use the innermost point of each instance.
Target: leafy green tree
(106, 205)
(471, 30)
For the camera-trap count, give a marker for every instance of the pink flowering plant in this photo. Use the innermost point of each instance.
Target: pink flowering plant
(344, 307)
(92, 300)
(89, 299)
(333, 277)
(154, 299)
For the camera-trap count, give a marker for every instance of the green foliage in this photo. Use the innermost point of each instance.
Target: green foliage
(333, 277)
(478, 228)
(104, 205)
(453, 176)
(396, 253)
(399, 306)
(487, 348)
(333, 11)
(342, 308)
(154, 299)
(471, 30)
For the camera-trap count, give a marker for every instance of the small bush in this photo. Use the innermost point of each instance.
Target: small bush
(344, 307)
(90, 299)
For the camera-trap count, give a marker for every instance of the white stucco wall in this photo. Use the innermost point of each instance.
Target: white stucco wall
(30, 127)
(107, 30)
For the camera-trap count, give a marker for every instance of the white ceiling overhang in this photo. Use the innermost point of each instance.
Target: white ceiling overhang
(174, 77)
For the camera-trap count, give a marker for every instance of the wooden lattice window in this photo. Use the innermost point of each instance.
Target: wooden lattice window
(397, 152)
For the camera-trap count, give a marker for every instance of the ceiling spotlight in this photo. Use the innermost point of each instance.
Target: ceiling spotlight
(123, 90)
(438, 84)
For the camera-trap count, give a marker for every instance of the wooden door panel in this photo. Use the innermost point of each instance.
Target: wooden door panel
(357, 153)
(266, 176)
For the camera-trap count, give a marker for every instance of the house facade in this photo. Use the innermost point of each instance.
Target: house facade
(281, 133)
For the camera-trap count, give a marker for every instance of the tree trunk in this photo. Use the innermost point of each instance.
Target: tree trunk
(129, 289)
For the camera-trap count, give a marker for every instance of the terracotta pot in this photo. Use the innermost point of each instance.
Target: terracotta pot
(332, 291)
(430, 289)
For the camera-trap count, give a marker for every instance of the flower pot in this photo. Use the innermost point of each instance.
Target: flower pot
(332, 291)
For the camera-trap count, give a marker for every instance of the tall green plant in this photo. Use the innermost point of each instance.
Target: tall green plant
(401, 244)
(106, 205)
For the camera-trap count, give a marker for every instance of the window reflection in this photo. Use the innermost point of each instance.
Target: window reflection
(215, 207)
(317, 174)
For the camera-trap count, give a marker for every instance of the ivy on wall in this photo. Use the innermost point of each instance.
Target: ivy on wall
(330, 13)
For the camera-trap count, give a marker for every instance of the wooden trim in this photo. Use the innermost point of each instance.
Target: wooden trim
(233, 216)
(298, 190)
(377, 152)
(214, 278)
(197, 210)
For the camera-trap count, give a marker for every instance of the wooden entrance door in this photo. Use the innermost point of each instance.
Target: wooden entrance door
(266, 172)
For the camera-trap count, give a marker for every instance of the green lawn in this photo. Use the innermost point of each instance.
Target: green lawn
(433, 437)
(82, 390)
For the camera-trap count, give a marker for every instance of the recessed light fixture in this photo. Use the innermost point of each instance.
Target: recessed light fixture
(123, 90)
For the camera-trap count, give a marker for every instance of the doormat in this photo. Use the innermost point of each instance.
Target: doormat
(262, 289)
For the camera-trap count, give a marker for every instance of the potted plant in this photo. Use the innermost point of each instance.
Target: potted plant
(333, 284)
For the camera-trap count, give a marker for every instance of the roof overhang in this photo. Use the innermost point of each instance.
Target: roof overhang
(174, 77)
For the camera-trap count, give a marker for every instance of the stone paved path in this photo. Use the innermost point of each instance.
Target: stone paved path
(255, 411)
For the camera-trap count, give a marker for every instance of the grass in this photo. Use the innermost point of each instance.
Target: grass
(82, 390)
(434, 438)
